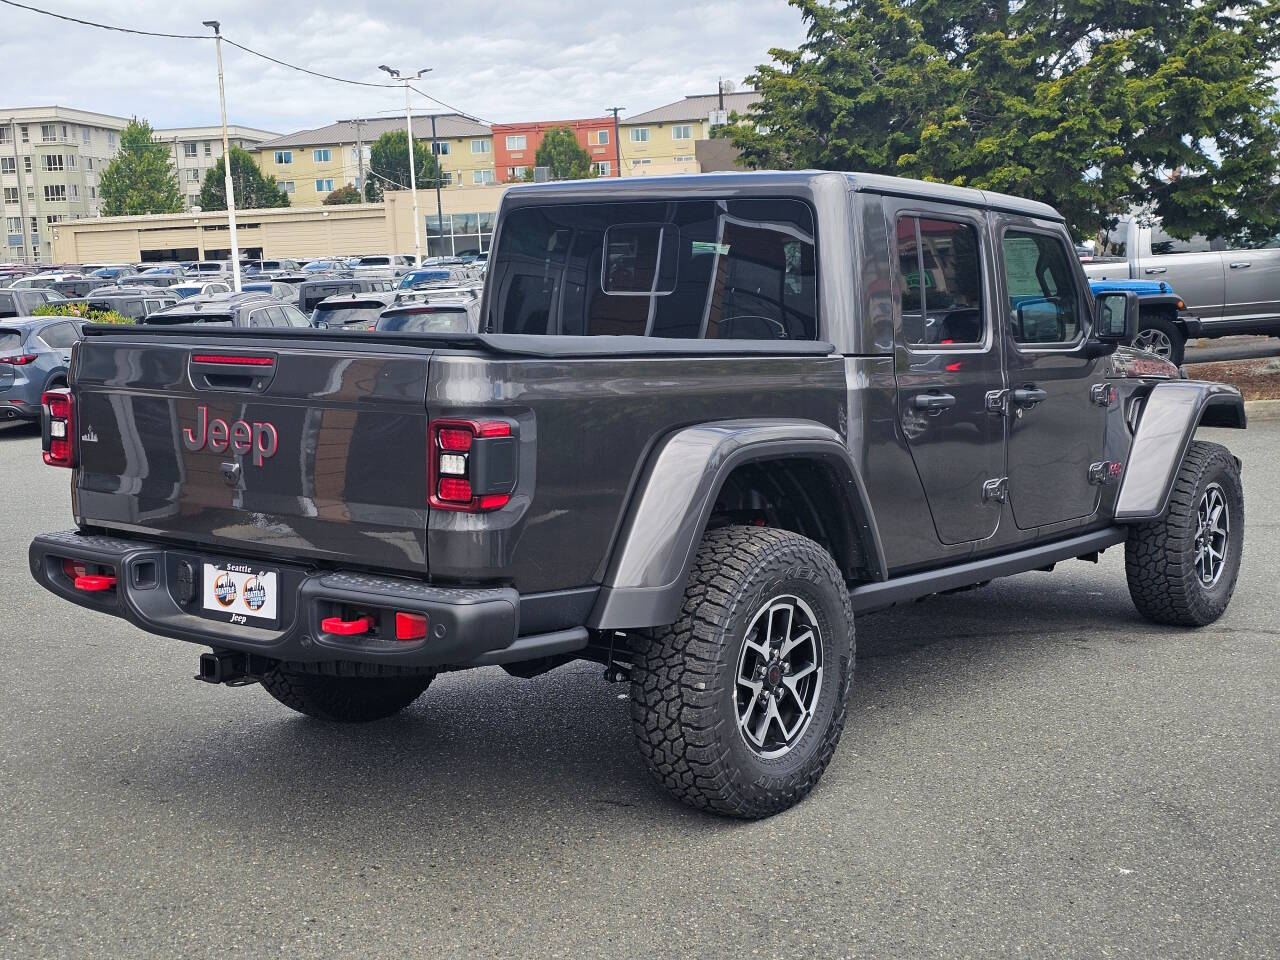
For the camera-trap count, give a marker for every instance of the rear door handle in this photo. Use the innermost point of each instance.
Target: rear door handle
(933, 401)
(1029, 396)
(1157, 269)
(1240, 264)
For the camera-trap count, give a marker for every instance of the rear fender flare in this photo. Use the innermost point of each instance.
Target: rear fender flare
(645, 580)
(1170, 415)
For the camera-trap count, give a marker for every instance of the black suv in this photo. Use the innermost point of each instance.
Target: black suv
(252, 309)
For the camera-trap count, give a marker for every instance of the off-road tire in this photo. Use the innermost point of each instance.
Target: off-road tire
(1162, 323)
(344, 699)
(1159, 556)
(684, 677)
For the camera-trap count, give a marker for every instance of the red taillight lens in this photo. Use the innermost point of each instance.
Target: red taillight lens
(58, 434)
(472, 464)
(22, 359)
(455, 490)
(453, 439)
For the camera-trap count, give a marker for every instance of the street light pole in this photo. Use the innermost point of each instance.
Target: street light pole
(435, 154)
(413, 178)
(617, 143)
(226, 160)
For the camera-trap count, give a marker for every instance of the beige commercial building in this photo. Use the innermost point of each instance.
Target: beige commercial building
(387, 227)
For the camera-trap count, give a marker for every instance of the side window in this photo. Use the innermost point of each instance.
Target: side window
(939, 282)
(1044, 303)
(278, 319)
(294, 316)
(58, 335)
(262, 318)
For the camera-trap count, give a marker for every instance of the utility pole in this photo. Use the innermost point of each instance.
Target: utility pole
(439, 206)
(413, 177)
(360, 159)
(226, 160)
(617, 139)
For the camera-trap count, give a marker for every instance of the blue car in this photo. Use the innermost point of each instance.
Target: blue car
(34, 355)
(1163, 325)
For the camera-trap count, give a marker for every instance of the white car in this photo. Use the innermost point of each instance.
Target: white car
(198, 287)
(43, 280)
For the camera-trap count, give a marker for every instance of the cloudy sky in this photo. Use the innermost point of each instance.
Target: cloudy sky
(501, 61)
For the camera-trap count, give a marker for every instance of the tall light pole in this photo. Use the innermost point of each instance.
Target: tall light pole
(226, 160)
(413, 179)
(617, 142)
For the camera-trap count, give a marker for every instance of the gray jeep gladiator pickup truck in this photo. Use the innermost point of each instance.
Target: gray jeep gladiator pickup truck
(707, 421)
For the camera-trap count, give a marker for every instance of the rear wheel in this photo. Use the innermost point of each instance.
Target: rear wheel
(1159, 335)
(1182, 568)
(737, 707)
(344, 699)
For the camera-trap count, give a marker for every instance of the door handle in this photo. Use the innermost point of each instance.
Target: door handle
(933, 401)
(1157, 269)
(1028, 396)
(1240, 264)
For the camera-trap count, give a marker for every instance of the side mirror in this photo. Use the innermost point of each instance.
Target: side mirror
(1115, 317)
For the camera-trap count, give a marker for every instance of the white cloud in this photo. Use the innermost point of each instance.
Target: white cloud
(532, 60)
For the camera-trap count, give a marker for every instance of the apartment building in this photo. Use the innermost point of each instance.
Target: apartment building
(50, 160)
(662, 140)
(515, 145)
(195, 150)
(311, 164)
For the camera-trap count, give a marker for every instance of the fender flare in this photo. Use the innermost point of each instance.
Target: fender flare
(645, 580)
(1170, 415)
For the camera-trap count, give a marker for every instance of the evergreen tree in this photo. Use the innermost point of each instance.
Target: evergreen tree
(140, 178)
(389, 165)
(560, 151)
(253, 190)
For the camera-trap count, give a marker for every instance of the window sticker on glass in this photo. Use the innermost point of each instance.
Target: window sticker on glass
(703, 246)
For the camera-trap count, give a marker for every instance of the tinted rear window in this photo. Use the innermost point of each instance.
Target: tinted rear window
(359, 312)
(439, 320)
(701, 269)
(11, 342)
(201, 319)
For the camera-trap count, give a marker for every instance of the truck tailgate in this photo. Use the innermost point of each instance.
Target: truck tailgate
(258, 446)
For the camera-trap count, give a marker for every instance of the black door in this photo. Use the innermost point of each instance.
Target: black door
(1056, 430)
(948, 364)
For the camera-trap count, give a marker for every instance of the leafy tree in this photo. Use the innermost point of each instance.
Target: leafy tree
(1094, 106)
(560, 151)
(83, 311)
(139, 179)
(253, 190)
(389, 165)
(347, 194)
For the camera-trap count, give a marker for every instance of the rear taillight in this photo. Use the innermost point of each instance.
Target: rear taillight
(472, 465)
(21, 360)
(59, 428)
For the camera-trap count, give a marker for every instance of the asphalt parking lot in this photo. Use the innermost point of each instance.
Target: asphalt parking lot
(1029, 770)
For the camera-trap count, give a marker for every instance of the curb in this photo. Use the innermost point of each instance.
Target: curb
(1262, 409)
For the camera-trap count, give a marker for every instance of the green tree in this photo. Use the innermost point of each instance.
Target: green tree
(1094, 106)
(389, 165)
(560, 151)
(347, 194)
(253, 190)
(139, 179)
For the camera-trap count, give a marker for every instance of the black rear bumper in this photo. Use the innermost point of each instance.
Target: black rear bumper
(465, 625)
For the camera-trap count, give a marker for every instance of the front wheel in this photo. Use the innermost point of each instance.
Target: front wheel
(1182, 568)
(1161, 336)
(737, 707)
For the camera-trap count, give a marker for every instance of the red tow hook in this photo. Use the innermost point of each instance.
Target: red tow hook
(346, 628)
(94, 583)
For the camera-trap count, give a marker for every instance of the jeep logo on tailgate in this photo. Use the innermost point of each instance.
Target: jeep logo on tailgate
(240, 436)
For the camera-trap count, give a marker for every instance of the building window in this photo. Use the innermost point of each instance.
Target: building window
(8, 165)
(682, 131)
(208, 149)
(193, 175)
(684, 158)
(286, 186)
(53, 218)
(324, 186)
(10, 194)
(86, 135)
(93, 193)
(193, 200)
(479, 146)
(88, 163)
(599, 137)
(446, 178)
(440, 148)
(111, 140)
(603, 169)
(51, 163)
(639, 134)
(516, 173)
(323, 155)
(66, 134)
(517, 142)
(284, 156)
(48, 133)
(641, 162)
(13, 224)
(26, 134)
(55, 193)
(480, 177)
(26, 163)
(71, 161)
(189, 150)
(31, 194)
(75, 191)
(6, 134)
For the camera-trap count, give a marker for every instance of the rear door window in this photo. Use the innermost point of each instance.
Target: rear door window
(690, 269)
(59, 336)
(939, 283)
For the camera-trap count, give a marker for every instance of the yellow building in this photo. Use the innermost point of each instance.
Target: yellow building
(311, 164)
(661, 141)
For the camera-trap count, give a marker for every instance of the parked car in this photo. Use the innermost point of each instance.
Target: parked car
(326, 266)
(284, 292)
(351, 310)
(114, 271)
(198, 287)
(433, 293)
(689, 449)
(34, 356)
(1159, 309)
(149, 279)
(23, 301)
(311, 292)
(166, 270)
(252, 267)
(380, 265)
(78, 288)
(460, 315)
(254, 309)
(431, 275)
(41, 280)
(136, 302)
(210, 268)
(1231, 291)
